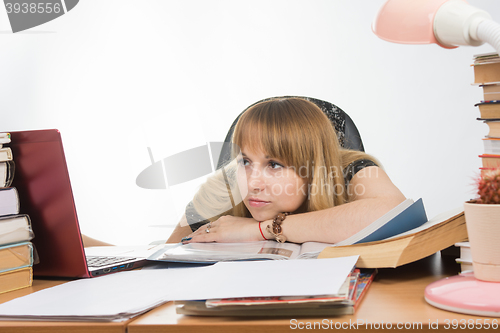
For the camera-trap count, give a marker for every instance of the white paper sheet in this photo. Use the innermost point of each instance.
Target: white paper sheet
(122, 295)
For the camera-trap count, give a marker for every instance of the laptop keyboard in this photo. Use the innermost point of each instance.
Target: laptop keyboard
(99, 261)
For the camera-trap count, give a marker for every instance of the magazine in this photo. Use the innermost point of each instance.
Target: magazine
(345, 302)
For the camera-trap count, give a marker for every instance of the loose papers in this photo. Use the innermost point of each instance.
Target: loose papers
(120, 296)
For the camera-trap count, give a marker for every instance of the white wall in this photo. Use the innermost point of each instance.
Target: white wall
(118, 76)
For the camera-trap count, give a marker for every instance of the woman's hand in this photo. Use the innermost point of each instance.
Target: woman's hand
(227, 229)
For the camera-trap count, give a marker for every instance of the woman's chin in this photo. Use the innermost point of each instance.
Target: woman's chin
(260, 216)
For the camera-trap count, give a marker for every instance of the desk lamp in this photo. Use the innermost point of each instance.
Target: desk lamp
(448, 23)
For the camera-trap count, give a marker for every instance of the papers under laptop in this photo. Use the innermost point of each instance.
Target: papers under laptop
(45, 194)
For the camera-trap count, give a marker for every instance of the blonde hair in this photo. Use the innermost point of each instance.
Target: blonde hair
(296, 132)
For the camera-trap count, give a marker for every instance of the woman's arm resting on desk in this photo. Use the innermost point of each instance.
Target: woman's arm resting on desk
(373, 195)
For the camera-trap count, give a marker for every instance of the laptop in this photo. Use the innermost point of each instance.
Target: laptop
(45, 194)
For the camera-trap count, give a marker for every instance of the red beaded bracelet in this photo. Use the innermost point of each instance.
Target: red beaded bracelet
(262, 232)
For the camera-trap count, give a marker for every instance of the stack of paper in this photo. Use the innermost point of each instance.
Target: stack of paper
(123, 295)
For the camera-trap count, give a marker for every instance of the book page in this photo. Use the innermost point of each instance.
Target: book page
(345, 292)
(311, 250)
(3, 173)
(15, 228)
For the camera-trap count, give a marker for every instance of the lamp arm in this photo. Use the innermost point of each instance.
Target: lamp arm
(456, 22)
(488, 31)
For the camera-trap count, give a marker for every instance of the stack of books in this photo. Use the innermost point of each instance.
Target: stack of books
(16, 250)
(487, 76)
(345, 302)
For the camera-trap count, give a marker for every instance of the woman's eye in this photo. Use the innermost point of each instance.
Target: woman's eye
(275, 165)
(244, 162)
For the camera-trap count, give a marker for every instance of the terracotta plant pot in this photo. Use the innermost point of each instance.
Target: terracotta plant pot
(483, 228)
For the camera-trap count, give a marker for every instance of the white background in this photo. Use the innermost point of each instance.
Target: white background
(116, 77)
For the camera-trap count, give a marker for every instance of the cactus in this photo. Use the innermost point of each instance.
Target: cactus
(488, 188)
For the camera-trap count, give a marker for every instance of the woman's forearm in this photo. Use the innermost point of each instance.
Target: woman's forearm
(337, 223)
(375, 196)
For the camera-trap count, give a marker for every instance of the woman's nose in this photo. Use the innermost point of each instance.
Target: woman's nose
(256, 180)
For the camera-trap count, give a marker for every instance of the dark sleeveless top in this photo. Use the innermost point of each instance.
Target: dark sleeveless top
(195, 220)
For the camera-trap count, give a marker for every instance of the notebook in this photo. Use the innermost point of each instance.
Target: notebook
(45, 194)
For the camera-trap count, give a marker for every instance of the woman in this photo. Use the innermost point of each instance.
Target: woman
(291, 181)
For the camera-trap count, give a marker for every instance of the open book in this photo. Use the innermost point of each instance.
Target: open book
(406, 216)
(437, 234)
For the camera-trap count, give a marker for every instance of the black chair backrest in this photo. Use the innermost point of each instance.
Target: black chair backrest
(347, 132)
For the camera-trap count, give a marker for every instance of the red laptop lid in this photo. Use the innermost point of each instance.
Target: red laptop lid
(44, 187)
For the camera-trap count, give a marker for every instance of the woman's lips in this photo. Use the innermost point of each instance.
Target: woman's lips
(257, 202)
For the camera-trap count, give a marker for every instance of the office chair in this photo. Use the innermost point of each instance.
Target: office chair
(347, 132)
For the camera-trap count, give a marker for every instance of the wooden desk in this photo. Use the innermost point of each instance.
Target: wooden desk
(53, 327)
(395, 298)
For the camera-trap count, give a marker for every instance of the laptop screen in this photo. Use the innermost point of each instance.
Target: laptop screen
(42, 180)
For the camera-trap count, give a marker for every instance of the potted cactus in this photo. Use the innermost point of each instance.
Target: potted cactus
(482, 216)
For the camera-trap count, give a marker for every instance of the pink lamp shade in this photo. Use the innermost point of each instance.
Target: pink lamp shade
(408, 21)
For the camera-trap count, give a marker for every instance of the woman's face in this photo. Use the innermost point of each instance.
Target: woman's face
(273, 188)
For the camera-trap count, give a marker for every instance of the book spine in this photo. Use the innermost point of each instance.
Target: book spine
(15, 256)
(487, 74)
(364, 281)
(16, 279)
(10, 168)
(17, 253)
(5, 154)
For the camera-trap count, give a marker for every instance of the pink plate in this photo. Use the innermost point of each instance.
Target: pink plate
(465, 294)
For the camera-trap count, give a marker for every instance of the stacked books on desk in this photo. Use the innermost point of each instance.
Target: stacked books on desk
(487, 76)
(344, 302)
(16, 250)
